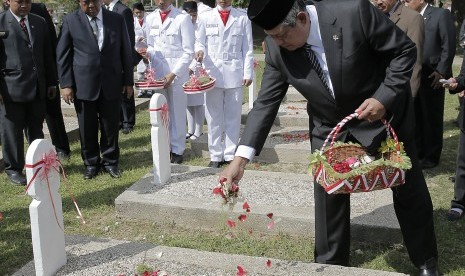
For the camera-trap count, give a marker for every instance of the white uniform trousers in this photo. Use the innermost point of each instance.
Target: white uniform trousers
(177, 104)
(223, 109)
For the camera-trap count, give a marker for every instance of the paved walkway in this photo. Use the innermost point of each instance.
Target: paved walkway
(94, 256)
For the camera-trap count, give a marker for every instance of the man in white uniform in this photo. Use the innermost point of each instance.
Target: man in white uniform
(170, 38)
(201, 7)
(139, 19)
(226, 47)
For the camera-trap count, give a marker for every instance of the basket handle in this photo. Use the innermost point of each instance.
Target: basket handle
(335, 131)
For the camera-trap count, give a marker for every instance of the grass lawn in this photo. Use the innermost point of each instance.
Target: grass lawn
(96, 199)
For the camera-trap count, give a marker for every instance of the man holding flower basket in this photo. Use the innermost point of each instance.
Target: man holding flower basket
(353, 66)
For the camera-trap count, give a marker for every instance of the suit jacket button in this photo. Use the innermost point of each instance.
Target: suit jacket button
(34, 68)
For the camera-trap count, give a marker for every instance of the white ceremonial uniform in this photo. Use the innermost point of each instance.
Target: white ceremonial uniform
(140, 42)
(228, 58)
(172, 43)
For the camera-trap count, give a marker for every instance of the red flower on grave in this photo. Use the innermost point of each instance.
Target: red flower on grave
(242, 217)
(270, 225)
(268, 263)
(241, 271)
(270, 215)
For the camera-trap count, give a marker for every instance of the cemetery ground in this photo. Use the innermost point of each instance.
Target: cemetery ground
(96, 199)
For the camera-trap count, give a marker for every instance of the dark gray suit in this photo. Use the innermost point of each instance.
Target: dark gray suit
(128, 108)
(97, 78)
(438, 55)
(459, 186)
(27, 70)
(367, 56)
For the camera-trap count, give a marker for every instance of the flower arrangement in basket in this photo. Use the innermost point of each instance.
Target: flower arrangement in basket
(150, 82)
(199, 81)
(347, 168)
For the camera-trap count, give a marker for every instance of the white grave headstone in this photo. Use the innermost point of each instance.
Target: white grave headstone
(48, 238)
(159, 119)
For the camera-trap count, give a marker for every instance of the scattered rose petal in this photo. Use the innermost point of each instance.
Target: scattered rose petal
(234, 188)
(241, 271)
(222, 180)
(270, 225)
(270, 215)
(231, 223)
(268, 263)
(242, 217)
(246, 207)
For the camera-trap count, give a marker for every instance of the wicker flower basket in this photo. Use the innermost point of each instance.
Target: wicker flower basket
(330, 169)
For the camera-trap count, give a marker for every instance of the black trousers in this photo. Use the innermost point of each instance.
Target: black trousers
(16, 117)
(459, 186)
(429, 117)
(414, 210)
(92, 115)
(128, 112)
(56, 125)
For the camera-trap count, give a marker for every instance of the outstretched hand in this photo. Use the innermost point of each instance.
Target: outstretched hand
(371, 110)
(234, 171)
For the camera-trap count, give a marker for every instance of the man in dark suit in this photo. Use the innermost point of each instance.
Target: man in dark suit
(53, 114)
(361, 62)
(438, 55)
(94, 65)
(457, 85)
(28, 76)
(128, 107)
(411, 22)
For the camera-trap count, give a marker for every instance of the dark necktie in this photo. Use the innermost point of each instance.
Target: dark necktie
(93, 24)
(164, 15)
(141, 22)
(22, 23)
(316, 66)
(224, 16)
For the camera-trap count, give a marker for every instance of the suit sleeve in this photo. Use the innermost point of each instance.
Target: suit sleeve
(447, 33)
(129, 20)
(49, 59)
(126, 55)
(187, 40)
(65, 54)
(200, 36)
(416, 32)
(266, 106)
(460, 79)
(394, 48)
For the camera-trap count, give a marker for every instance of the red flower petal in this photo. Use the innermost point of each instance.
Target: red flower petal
(270, 225)
(1, 216)
(242, 217)
(217, 191)
(245, 205)
(234, 188)
(231, 223)
(268, 263)
(222, 180)
(270, 215)
(241, 271)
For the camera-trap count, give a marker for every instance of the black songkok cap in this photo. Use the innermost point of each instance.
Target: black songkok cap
(269, 13)
(190, 5)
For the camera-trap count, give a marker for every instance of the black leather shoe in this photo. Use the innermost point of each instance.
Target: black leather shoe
(453, 215)
(127, 130)
(17, 178)
(113, 171)
(214, 164)
(91, 172)
(176, 158)
(429, 272)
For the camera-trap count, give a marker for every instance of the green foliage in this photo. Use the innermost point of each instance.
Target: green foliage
(241, 3)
